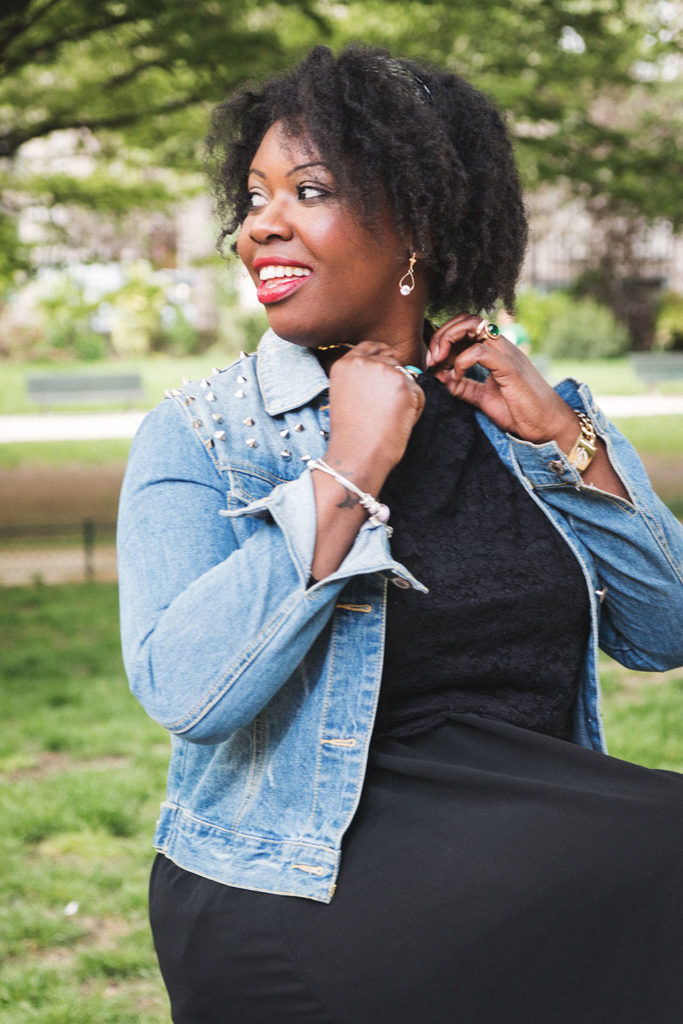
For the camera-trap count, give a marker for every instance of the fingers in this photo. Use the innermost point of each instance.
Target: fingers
(381, 353)
(452, 338)
(456, 347)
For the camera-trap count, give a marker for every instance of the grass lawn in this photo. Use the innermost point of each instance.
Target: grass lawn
(160, 371)
(157, 372)
(82, 772)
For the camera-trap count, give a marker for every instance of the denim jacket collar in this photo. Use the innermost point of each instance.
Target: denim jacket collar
(289, 376)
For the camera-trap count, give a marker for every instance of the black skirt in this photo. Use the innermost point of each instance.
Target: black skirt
(492, 875)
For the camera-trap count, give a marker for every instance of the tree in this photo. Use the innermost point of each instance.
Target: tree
(127, 85)
(123, 64)
(592, 87)
(593, 92)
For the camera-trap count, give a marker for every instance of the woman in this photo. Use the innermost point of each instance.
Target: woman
(392, 803)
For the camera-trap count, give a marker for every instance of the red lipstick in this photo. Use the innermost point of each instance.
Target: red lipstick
(277, 286)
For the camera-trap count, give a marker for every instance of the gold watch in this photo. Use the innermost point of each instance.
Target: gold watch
(585, 447)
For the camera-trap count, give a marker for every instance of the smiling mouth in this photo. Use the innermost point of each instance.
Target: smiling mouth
(277, 270)
(279, 280)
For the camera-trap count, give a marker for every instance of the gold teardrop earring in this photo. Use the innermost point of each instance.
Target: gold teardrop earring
(407, 282)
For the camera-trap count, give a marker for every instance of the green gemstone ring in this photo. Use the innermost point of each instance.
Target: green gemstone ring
(488, 328)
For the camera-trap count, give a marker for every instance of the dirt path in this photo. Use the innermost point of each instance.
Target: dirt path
(68, 496)
(31, 497)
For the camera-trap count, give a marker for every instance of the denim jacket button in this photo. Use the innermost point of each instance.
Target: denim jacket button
(399, 582)
(556, 466)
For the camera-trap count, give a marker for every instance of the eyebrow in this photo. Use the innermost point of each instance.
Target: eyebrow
(294, 170)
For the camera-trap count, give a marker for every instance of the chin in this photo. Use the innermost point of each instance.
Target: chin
(296, 334)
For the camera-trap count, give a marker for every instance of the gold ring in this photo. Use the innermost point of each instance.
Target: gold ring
(488, 328)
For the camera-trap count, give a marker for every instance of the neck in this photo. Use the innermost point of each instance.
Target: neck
(409, 352)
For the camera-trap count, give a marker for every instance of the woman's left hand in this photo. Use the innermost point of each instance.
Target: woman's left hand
(514, 395)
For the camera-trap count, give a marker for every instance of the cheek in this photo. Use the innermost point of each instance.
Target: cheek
(244, 244)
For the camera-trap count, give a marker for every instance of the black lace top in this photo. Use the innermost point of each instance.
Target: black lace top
(503, 630)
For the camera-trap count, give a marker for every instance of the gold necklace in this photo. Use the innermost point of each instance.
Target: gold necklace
(338, 344)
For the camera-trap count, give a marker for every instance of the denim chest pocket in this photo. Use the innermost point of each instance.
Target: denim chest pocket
(248, 483)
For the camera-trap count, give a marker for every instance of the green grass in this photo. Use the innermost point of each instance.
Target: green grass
(53, 454)
(656, 435)
(158, 372)
(643, 715)
(81, 776)
(609, 376)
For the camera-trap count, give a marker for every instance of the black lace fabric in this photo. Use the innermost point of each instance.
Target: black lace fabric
(503, 630)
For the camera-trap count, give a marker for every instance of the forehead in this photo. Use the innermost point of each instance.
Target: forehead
(285, 145)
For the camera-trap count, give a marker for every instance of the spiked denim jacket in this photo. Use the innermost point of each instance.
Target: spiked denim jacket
(269, 686)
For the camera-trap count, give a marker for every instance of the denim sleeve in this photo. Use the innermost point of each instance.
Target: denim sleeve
(636, 546)
(212, 628)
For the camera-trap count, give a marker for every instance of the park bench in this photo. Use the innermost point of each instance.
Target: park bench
(48, 389)
(655, 367)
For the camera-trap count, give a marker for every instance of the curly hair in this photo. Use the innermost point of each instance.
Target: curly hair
(435, 146)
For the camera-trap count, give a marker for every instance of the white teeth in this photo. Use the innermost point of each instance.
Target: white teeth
(278, 270)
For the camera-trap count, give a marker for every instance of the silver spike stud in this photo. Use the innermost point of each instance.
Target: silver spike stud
(187, 380)
(298, 427)
(210, 397)
(249, 422)
(243, 354)
(204, 383)
(216, 417)
(208, 444)
(219, 435)
(215, 369)
(286, 454)
(305, 458)
(167, 393)
(240, 394)
(196, 424)
(284, 433)
(241, 379)
(325, 434)
(251, 442)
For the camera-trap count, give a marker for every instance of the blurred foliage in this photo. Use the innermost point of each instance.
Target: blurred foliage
(669, 325)
(121, 90)
(149, 69)
(67, 315)
(589, 86)
(536, 310)
(583, 329)
(133, 65)
(563, 326)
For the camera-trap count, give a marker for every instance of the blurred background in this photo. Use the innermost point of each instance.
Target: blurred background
(111, 288)
(111, 291)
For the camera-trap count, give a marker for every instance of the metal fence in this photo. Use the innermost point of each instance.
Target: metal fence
(63, 553)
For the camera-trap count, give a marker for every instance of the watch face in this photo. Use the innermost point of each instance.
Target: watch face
(582, 459)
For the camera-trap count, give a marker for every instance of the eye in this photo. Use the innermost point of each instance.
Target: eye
(256, 200)
(312, 192)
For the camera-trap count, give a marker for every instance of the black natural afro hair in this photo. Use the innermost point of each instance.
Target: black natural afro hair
(435, 146)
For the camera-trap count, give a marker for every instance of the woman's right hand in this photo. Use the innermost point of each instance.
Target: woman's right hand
(373, 409)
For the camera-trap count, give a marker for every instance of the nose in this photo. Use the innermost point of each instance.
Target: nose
(271, 221)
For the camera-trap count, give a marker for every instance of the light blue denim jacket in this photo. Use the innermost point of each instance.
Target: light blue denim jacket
(268, 685)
